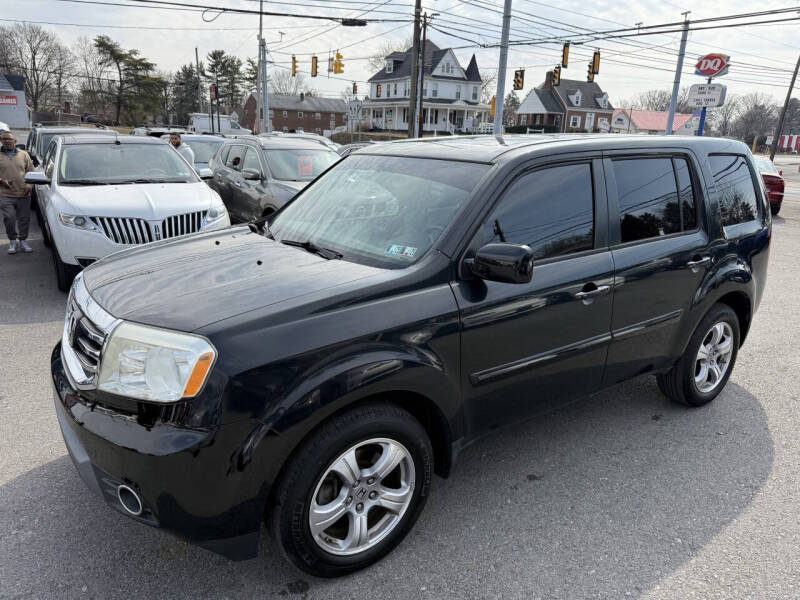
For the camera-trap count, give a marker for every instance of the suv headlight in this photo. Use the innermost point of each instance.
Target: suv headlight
(77, 221)
(216, 213)
(155, 364)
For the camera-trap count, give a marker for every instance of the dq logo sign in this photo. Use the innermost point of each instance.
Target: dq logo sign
(712, 65)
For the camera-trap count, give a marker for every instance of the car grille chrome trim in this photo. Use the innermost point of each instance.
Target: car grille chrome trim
(86, 330)
(121, 230)
(182, 224)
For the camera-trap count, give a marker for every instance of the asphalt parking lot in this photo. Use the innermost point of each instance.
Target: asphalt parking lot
(620, 495)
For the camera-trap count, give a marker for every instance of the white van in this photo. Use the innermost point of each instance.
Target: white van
(200, 123)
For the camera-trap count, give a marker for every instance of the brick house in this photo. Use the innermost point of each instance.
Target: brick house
(288, 113)
(540, 110)
(585, 105)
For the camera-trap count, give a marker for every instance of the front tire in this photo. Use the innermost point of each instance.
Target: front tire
(64, 273)
(703, 370)
(353, 490)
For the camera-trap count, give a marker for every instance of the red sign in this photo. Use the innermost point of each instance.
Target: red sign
(8, 100)
(212, 91)
(712, 65)
(305, 165)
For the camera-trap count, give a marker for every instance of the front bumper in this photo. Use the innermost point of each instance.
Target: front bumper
(188, 479)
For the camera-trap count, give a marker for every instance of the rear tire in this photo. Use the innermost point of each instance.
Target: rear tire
(700, 375)
(774, 209)
(64, 273)
(331, 519)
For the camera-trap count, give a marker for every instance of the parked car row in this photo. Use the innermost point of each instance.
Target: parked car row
(314, 372)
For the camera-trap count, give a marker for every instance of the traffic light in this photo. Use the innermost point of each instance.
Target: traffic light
(590, 73)
(596, 62)
(565, 55)
(519, 79)
(338, 65)
(313, 66)
(557, 75)
(355, 88)
(491, 112)
(294, 66)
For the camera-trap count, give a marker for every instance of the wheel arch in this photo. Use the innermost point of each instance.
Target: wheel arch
(743, 307)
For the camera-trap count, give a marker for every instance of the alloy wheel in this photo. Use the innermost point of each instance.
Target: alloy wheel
(713, 357)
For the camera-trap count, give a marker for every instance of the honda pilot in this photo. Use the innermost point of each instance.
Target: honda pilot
(313, 369)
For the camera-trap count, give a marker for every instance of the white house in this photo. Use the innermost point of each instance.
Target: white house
(451, 95)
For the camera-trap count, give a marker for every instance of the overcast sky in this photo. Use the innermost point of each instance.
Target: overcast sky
(768, 52)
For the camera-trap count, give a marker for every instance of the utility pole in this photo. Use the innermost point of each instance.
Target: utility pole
(677, 84)
(262, 88)
(777, 135)
(216, 82)
(501, 70)
(420, 132)
(412, 96)
(259, 121)
(199, 84)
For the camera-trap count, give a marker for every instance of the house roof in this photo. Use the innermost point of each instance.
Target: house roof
(307, 104)
(539, 102)
(589, 94)
(431, 57)
(654, 120)
(12, 82)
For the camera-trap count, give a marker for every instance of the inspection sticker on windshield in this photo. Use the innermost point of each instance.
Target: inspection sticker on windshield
(400, 250)
(304, 165)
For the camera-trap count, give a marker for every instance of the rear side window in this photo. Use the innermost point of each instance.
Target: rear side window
(234, 158)
(737, 193)
(251, 160)
(648, 192)
(551, 210)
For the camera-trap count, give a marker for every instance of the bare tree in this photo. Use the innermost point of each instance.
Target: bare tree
(33, 52)
(64, 75)
(721, 118)
(658, 100)
(93, 74)
(757, 116)
(488, 86)
(281, 82)
(378, 58)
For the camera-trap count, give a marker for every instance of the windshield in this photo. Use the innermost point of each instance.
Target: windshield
(203, 149)
(766, 165)
(384, 211)
(123, 163)
(299, 164)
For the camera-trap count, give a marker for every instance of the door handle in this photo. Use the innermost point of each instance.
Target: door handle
(700, 262)
(591, 294)
(238, 184)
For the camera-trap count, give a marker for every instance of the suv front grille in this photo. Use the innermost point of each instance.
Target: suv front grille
(182, 224)
(124, 231)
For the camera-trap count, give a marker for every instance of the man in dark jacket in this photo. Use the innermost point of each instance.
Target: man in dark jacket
(15, 194)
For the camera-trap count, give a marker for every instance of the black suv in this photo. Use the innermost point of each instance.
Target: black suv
(255, 176)
(315, 370)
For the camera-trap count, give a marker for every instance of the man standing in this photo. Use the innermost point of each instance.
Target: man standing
(183, 149)
(15, 194)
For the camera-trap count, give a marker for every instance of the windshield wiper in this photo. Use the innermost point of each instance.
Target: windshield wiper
(326, 253)
(84, 182)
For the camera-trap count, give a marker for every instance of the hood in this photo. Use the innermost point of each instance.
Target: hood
(197, 280)
(151, 201)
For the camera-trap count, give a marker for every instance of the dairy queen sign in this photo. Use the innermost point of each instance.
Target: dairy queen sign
(712, 65)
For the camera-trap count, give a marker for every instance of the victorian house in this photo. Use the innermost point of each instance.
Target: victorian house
(451, 94)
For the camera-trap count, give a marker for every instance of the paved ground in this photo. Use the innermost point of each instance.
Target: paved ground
(621, 495)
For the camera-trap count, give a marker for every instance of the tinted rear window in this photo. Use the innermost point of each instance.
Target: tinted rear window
(735, 188)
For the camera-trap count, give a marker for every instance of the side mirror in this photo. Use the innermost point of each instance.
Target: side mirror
(20, 146)
(37, 178)
(35, 161)
(205, 173)
(506, 263)
(251, 174)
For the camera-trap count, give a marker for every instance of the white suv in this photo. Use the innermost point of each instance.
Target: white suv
(100, 194)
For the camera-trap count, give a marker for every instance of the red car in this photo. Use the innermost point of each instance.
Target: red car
(773, 180)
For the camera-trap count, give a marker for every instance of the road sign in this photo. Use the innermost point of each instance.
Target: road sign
(702, 95)
(712, 65)
(354, 109)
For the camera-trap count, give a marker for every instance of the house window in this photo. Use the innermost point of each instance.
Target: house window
(333, 116)
(378, 91)
(299, 114)
(389, 66)
(285, 113)
(523, 119)
(394, 91)
(475, 92)
(388, 90)
(424, 88)
(458, 92)
(285, 128)
(271, 114)
(575, 121)
(435, 90)
(317, 116)
(405, 115)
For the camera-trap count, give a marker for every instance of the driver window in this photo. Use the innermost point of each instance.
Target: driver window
(49, 160)
(251, 161)
(234, 158)
(551, 210)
